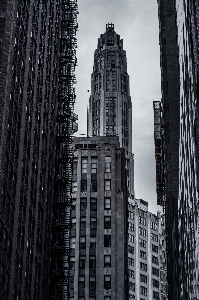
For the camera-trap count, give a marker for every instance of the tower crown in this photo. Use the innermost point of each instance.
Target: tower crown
(110, 26)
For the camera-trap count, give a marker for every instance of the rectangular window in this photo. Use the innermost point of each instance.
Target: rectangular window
(142, 231)
(84, 164)
(75, 162)
(107, 203)
(92, 281)
(142, 243)
(130, 249)
(74, 186)
(83, 185)
(131, 238)
(155, 260)
(154, 225)
(154, 237)
(142, 220)
(94, 186)
(156, 283)
(107, 282)
(92, 242)
(155, 271)
(93, 223)
(107, 261)
(81, 282)
(92, 262)
(131, 215)
(83, 222)
(156, 295)
(132, 286)
(82, 242)
(82, 259)
(143, 278)
(154, 248)
(142, 254)
(131, 226)
(107, 185)
(143, 291)
(93, 204)
(131, 274)
(130, 261)
(83, 203)
(72, 242)
(107, 168)
(73, 223)
(143, 267)
(94, 164)
(107, 241)
(107, 222)
(72, 262)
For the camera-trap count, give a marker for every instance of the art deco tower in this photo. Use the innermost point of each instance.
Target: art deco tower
(110, 109)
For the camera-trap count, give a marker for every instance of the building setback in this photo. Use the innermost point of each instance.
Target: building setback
(98, 243)
(30, 71)
(177, 131)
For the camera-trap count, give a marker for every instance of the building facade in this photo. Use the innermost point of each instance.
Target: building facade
(147, 269)
(98, 243)
(179, 143)
(30, 76)
(110, 107)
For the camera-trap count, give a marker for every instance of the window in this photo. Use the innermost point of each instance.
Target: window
(72, 262)
(107, 282)
(142, 231)
(107, 241)
(83, 203)
(83, 222)
(107, 261)
(84, 164)
(93, 165)
(155, 260)
(131, 238)
(156, 295)
(155, 271)
(131, 286)
(82, 259)
(143, 267)
(93, 204)
(154, 237)
(131, 226)
(81, 282)
(154, 248)
(142, 243)
(82, 242)
(143, 291)
(107, 185)
(107, 203)
(155, 283)
(154, 226)
(130, 261)
(94, 186)
(73, 223)
(92, 282)
(74, 186)
(72, 242)
(143, 278)
(93, 223)
(107, 164)
(142, 254)
(92, 262)
(75, 162)
(131, 274)
(142, 220)
(83, 185)
(131, 215)
(92, 242)
(107, 222)
(130, 249)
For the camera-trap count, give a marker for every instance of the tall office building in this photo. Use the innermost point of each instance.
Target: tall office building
(176, 141)
(110, 108)
(32, 36)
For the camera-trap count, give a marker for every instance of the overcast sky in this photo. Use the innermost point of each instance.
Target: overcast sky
(136, 21)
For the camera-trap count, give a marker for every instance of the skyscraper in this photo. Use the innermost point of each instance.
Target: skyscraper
(110, 108)
(32, 67)
(176, 139)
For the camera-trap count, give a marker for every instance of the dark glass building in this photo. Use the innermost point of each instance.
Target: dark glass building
(36, 69)
(176, 142)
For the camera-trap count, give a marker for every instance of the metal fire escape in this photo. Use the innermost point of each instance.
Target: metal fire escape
(159, 154)
(65, 123)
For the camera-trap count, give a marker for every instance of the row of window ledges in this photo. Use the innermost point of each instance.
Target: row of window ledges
(82, 242)
(84, 165)
(92, 282)
(143, 255)
(143, 291)
(143, 267)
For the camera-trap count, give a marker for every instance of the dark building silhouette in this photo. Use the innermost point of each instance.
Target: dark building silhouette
(37, 59)
(176, 143)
